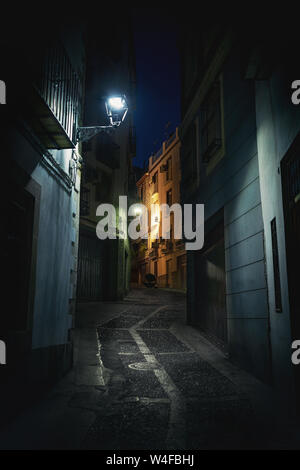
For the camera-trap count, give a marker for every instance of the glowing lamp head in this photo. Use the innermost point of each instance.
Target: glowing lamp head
(116, 103)
(116, 108)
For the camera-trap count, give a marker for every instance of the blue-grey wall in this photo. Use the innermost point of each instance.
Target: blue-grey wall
(54, 259)
(234, 185)
(278, 122)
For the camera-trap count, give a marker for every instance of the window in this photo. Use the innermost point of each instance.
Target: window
(169, 169)
(211, 123)
(169, 197)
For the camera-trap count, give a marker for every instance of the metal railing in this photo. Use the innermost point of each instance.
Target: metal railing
(60, 87)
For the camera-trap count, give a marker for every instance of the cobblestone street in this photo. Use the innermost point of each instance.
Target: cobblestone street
(142, 379)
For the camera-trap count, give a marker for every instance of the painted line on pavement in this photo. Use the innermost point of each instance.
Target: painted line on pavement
(176, 436)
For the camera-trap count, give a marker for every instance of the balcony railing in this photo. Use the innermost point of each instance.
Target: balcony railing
(60, 89)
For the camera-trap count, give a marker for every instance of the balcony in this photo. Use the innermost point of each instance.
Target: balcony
(49, 97)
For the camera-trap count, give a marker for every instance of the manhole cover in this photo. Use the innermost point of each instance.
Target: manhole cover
(144, 366)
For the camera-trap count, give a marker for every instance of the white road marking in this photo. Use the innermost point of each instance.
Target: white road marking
(176, 436)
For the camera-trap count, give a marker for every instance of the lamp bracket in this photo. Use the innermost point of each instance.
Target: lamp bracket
(86, 133)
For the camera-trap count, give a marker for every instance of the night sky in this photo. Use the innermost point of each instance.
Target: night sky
(158, 85)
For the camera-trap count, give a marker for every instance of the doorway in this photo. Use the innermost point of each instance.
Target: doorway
(210, 288)
(90, 267)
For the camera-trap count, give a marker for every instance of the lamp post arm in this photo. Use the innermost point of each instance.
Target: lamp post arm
(86, 133)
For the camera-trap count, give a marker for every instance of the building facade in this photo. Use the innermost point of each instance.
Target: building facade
(104, 265)
(39, 234)
(239, 134)
(165, 258)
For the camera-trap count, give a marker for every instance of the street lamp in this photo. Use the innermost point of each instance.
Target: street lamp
(116, 109)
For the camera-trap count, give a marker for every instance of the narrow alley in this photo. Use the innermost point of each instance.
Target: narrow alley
(150, 231)
(142, 379)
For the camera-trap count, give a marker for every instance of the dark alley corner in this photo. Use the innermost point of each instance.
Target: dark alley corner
(150, 231)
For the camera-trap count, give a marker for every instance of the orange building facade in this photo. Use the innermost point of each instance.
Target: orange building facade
(166, 259)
